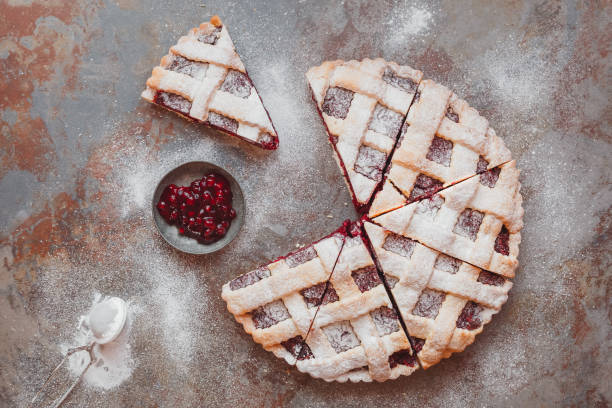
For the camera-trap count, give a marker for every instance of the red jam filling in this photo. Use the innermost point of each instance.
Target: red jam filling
(385, 121)
(424, 186)
(297, 348)
(403, 357)
(385, 320)
(418, 344)
(237, 84)
(391, 77)
(317, 295)
(370, 163)
(447, 264)
(440, 151)
(223, 122)
(250, 278)
(366, 278)
(210, 37)
(502, 242)
(202, 210)
(487, 177)
(450, 113)
(468, 223)
(429, 303)
(185, 66)
(337, 102)
(489, 278)
(482, 165)
(300, 257)
(268, 141)
(270, 314)
(173, 102)
(400, 245)
(469, 318)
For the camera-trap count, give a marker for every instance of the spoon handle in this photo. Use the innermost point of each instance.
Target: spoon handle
(70, 352)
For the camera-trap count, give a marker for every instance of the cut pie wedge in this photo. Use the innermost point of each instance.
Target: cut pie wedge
(363, 105)
(356, 334)
(443, 301)
(276, 303)
(203, 79)
(443, 141)
(477, 220)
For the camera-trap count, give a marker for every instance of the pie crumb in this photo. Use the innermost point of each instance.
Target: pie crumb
(216, 21)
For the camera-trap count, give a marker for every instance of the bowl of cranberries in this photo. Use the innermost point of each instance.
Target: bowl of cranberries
(198, 208)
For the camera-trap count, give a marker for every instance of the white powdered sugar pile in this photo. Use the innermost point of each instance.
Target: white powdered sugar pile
(114, 363)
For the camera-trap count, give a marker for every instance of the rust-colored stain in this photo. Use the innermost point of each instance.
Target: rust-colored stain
(37, 52)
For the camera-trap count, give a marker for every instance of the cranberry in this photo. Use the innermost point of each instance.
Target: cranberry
(203, 210)
(195, 186)
(207, 197)
(210, 210)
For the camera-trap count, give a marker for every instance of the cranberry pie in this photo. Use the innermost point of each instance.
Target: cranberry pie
(363, 105)
(356, 334)
(430, 265)
(203, 79)
(444, 302)
(276, 303)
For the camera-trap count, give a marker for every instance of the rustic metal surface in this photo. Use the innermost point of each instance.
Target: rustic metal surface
(81, 155)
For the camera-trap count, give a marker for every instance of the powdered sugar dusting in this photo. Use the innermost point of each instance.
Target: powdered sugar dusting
(413, 22)
(113, 364)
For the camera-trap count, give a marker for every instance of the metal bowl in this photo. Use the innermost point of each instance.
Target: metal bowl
(183, 176)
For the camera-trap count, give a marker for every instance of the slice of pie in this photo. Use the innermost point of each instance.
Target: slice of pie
(363, 105)
(443, 141)
(443, 301)
(356, 334)
(276, 303)
(203, 79)
(477, 220)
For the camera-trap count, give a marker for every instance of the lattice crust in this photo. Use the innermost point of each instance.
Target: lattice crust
(276, 303)
(356, 335)
(443, 141)
(363, 104)
(203, 78)
(444, 302)
(477, 220)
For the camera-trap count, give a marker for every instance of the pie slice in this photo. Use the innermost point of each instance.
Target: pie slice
(356, 334)
(276, 303)
(443, 301)
(443, 141)
(363, 105)
(477, 220)
(203, 79)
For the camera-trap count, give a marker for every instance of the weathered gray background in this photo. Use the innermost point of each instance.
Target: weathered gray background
(81, 154)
